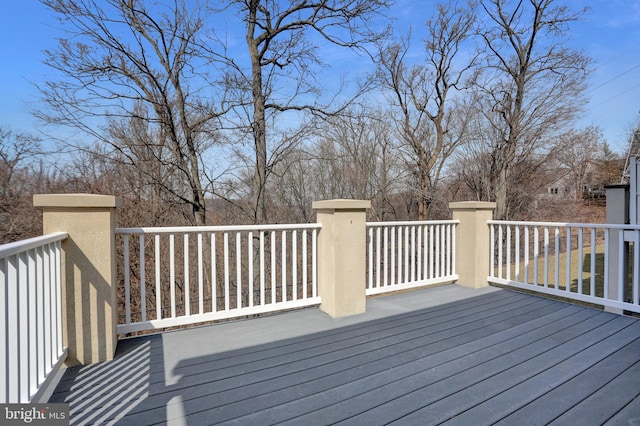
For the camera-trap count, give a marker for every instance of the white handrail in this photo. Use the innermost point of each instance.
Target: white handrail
(544, 248)
(234, 271)
(222, 228)
(565, 224)
(409, 254)
(31, 324)
(16, 247)
(413, 222)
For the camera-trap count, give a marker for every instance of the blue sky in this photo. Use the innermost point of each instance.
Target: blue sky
(610, 34)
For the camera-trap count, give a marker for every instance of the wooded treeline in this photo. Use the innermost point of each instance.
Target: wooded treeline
(193, 123)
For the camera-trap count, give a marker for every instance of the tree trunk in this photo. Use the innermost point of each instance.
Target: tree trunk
(423, 201)
(501, 194)
(199, 209)
(259, 120)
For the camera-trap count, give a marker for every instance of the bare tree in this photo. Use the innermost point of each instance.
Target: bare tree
(128, 60)
(282, 56)
(532, 81)
(20, 170)
(359, 154)
(579, 150)
(353, 156)
(423, 95)
(533, 167)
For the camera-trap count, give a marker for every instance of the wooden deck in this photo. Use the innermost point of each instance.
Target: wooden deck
(441, 355)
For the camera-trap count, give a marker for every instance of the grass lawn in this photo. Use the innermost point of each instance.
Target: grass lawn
(559, 263)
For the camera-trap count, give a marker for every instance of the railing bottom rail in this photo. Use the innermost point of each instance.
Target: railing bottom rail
(412, 285)
(215, 316)
(599, 301)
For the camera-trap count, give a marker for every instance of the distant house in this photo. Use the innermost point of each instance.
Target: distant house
(563, 186)
(586, 182)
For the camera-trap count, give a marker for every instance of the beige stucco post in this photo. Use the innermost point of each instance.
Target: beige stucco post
(342, 244)
(472, 241)
(89, 275)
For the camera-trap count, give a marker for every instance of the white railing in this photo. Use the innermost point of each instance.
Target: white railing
(403, 255)
(198, 274)
(579, 261)
(31, 347)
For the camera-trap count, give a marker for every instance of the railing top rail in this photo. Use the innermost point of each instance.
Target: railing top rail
(195, 229)
(565, 224)
(16, 247)
(413, 222)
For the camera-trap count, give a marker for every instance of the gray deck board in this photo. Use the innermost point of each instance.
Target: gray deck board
(629, 415)
(529, 381)
(438, 375)
(446, 354)
(608, 400)
(554, 403)
(461, 387)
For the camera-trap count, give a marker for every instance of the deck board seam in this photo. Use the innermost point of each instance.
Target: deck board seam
(240, 387)
(466, 355)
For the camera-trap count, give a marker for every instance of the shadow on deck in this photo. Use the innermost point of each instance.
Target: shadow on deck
(445, 354)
